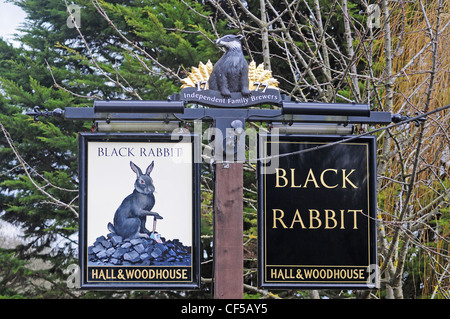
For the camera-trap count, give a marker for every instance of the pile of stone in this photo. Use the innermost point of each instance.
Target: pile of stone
(113, 250)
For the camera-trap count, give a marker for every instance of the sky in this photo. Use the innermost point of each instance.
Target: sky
(11, 17)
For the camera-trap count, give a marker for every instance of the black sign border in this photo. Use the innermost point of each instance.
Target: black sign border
(370, 141)
(83, 140)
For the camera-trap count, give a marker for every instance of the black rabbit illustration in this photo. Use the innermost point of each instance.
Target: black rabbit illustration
(130, 217)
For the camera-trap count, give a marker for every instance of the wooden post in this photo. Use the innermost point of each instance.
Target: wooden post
(228, 232)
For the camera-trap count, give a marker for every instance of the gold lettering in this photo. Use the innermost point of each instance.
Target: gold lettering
(316, 217)
(273, 273)
(156, 274)
(361, 274)
(280, 219)
(297, 219)
(345, 178)
(355, 223)
(327, 218)
(329, 273)
(110, 275)
(336, 273)
(311, 178)
(283, 181)
(342, 218)
(323, 182)
(278, 176)
(293, 179)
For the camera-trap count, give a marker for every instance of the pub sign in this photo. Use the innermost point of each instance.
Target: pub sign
(139, 211)
(317, 221)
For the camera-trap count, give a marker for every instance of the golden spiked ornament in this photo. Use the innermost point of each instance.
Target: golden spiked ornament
(198, 76)
(258, 77)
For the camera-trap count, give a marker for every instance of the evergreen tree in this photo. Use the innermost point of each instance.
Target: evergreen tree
(58, 66)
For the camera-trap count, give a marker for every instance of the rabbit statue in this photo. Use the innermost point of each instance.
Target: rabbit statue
(130, 217)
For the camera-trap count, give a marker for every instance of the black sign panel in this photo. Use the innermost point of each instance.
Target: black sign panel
(139, 211)
(317, 212)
